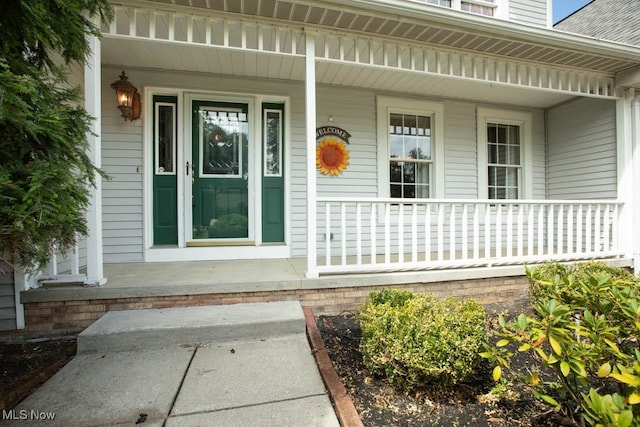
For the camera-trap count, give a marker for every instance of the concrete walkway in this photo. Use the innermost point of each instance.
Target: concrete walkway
(235, 365)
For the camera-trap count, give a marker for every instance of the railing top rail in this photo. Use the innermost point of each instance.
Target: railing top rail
(325, 199)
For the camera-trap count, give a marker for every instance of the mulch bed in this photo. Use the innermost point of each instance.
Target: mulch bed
(466, 404)
(24, 366)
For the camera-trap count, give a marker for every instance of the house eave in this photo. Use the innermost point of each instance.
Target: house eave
(420, 22)
(499, 28)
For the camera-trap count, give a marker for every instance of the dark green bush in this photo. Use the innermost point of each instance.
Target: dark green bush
(418, 341)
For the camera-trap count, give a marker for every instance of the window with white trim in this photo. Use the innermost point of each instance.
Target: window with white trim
(480, 7)
(504, 154)
(410, 147)
(504, 167)
(410, 159)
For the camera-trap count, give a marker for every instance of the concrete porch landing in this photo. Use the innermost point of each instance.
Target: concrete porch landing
(245, 364)
(64, 310)
(140, 280)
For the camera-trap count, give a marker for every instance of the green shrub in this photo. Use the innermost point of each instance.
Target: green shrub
(585, 337)
(418, 341)
(549, 280)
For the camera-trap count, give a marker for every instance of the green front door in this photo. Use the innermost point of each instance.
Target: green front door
(219, 170)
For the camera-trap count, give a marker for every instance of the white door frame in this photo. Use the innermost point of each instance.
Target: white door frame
(182, 252)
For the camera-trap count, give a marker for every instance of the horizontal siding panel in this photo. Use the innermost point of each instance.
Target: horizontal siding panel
(7, 313)
(118, 257)
(533, 12)
(121, 185)
(582, 150)
(7, 325)
(125, 241)
(7, 298)
(8, 301)
(123, 225)
(112, 161)
(114, 210)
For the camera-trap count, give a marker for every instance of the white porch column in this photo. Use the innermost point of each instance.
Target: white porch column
(310, 112)
(92, 101)
(635, 124)
(624, 131)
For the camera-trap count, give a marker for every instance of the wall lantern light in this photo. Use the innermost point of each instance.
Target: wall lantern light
(128, 98)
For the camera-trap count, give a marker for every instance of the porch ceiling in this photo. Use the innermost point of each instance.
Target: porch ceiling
(149, 54)
(414, 20)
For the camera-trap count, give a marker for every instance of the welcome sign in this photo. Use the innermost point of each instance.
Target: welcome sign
(332, 155)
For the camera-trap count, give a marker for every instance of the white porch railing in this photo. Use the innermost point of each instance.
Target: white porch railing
(369, 234)
(63, 268)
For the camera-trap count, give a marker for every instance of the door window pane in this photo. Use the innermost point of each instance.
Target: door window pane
(272, 142)
(223, 135)
(165, 138)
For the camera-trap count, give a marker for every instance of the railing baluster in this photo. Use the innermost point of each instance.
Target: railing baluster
(541, 230)
(327, 236)
(597, 236)
(520, 230)
(476, 231)
(588, 225)
(499, 231)
(343, 233)
(441, 207)
(387, 233)
(606, 244)
(509, 253)
(579, 231)
(374, 233)
(401, 233)
(465, 232)
(531, 220)
(614, 226)
(358, 234)
(75, 259)
(560, 233)
(570, 235)
(427, 232)
(414, 233)
(452, 233)
(52, 265)
(487, 233)
(550, 231)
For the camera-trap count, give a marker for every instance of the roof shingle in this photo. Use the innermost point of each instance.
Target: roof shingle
(614, 20)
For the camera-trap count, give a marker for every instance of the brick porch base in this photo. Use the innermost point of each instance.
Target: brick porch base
(70, 317)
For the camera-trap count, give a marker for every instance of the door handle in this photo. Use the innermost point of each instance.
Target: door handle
(187, 168)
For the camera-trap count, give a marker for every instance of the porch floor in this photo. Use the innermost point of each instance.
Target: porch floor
(127, 280)
(135, 280)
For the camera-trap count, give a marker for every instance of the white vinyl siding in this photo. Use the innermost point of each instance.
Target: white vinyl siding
(532, 12)
(461, 179)
(582, 150)
(122, 193)
(7, 298)
(351, 109)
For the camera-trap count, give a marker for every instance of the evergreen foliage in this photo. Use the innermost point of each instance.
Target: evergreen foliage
(583, 340)
(45, 172)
